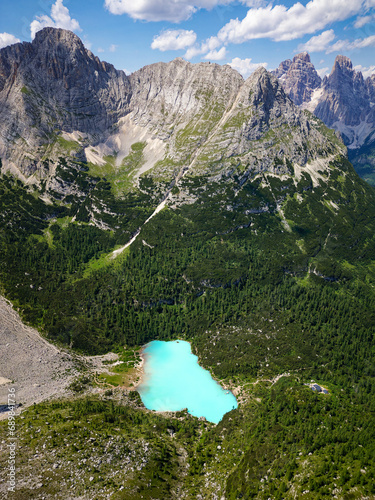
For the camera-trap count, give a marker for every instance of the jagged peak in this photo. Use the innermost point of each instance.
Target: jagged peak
(259, 74)
(264, 85)
(302, 56)
(56, 35)
(342, 62)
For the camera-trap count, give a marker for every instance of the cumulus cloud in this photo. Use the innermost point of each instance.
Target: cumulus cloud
(345, 45)
(60, 18)
(161, 10)
(318, 43)
(193, 52)
(280, 23)
(113, 48)
(245, 66)
(366, 71)
(209, 45)
(174, 40)
(7, 39)
(322, 72)
(216, 55)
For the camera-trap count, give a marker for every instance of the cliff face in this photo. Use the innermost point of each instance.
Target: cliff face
(343, 100)
(344, 97)
(54, 84)
(298, 77)
(59, 100)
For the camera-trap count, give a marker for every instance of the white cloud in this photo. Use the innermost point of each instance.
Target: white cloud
(366, 72)
(254, 3)
(113, 48)
(7, 39)
(161, 10)
(60, 18)
(345, 45)
(245, 66)
(193, 52)
(280, 23)
(322, 72)
(361, 21)
(318, 43)
(209, 45)
(216, 55)
(100, 50)
(174, 40)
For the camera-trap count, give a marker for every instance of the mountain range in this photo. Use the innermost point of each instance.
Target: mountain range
(184, 202)
(343, 100)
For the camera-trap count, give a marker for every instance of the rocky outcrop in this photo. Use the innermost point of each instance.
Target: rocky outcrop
(282, 70)
(370, 84)
(263, 131)
(298, 77)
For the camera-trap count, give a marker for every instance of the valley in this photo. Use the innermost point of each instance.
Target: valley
(182, 202)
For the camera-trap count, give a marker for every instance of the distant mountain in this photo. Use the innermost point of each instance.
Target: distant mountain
(344, 100)
(299, 78)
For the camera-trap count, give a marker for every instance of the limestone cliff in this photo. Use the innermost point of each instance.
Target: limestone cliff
(167, 120)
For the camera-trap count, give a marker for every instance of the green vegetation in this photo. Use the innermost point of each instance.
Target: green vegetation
(363, 160)
(90, 446)
(120, 176)
(66, 145)
(25, 90)
(283, 440)
(254, 299)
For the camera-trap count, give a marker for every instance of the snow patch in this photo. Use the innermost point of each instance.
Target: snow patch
(356, 134)
(314, 101)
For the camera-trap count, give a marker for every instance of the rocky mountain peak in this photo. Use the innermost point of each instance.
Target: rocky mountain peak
(298, 77)
(265, 88)
(342, 63)
(283, 68)
(303, 56)
(55, 80)
(188, 117)
(344, 97)
(342, 100)
(55, 36)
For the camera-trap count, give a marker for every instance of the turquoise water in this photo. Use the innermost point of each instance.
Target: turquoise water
(174, 380)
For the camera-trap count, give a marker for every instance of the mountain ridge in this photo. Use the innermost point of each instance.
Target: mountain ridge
(171, 107)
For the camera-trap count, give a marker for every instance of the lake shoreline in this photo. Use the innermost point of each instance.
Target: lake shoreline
(176, 380)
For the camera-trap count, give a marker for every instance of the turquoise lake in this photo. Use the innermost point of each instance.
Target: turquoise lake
(173, 380)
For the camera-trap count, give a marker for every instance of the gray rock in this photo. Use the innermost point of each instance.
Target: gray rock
(194, 118)
(299, 78)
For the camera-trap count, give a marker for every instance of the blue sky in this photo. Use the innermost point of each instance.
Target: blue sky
(243, 33)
